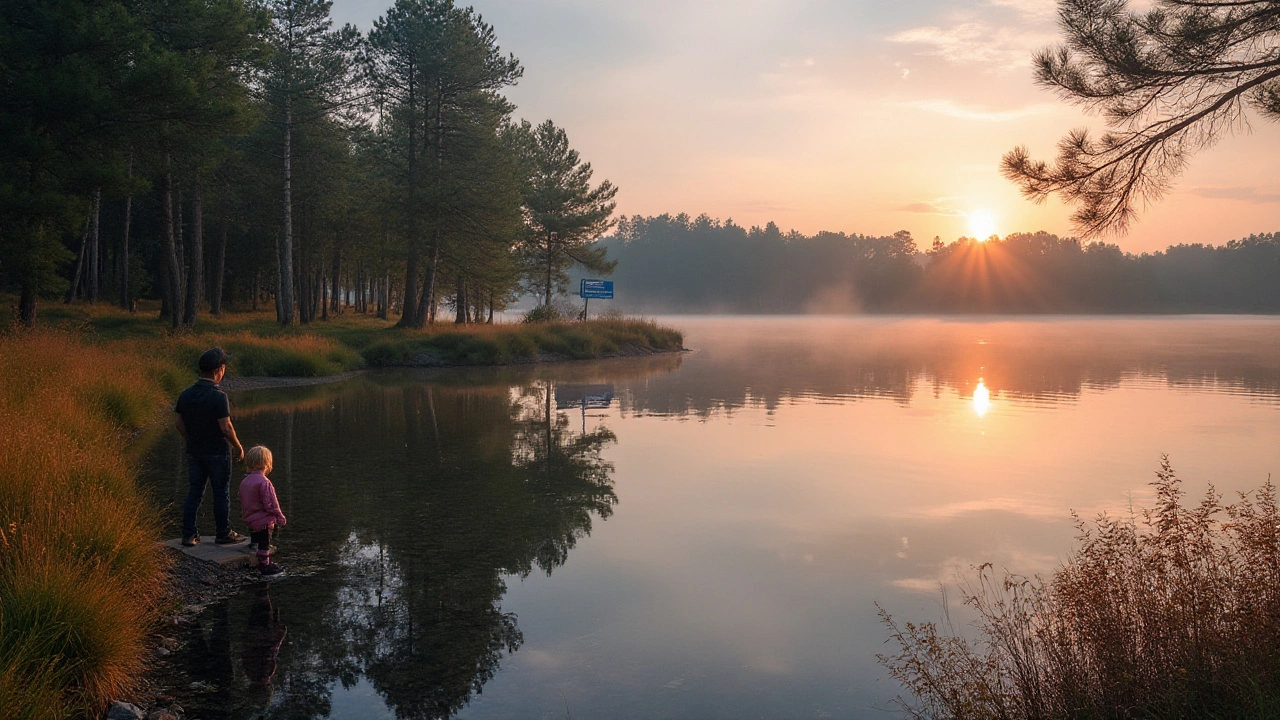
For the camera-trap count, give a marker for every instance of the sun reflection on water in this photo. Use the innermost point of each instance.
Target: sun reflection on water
(981, 399)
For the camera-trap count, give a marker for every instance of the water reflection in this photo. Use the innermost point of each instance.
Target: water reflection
(981, 399)
(767, 362)
(411, 499)
(832, 464)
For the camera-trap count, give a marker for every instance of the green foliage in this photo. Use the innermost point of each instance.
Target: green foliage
(565, 214)
(1169, 80)
(1172, 613)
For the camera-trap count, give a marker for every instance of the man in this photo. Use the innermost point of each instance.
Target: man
(204, 421)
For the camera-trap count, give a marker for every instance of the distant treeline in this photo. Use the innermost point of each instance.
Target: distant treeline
(682, 264)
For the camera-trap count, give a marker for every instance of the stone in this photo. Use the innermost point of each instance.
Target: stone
(176, 709)
(161, 714)
(124, 711)
(163, 651)
(170, 644)
(239, 554)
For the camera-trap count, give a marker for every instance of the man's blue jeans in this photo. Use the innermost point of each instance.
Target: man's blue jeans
(208, 469)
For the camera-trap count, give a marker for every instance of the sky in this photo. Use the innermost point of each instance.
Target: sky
(861, 116)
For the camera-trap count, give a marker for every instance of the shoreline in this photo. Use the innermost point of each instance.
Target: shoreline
(428, 362)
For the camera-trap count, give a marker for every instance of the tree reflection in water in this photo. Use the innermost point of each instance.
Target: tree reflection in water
(427, 496)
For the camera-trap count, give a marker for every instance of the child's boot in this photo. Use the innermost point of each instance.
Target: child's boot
(266, 568)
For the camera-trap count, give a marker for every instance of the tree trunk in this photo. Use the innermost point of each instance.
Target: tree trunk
(285, 290)
(460, 303)
(410, 307)
(171, 256)
(384, 295)
(220, 272)
(27, 303)
(335, 299)
(195, 257)
(93, 273)
(426, 306)
(126, 301)
(75, 278)
(551, 239)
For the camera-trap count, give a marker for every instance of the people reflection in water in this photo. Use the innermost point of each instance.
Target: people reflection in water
(475, 484)
(260, 646)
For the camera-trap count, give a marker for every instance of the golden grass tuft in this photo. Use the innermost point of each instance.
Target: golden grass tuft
(79, 571)
(1173, 612)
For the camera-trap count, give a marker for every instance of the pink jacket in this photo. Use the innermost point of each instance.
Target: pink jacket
(258, 504)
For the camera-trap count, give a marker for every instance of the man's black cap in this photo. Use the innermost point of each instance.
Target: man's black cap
(212, 359)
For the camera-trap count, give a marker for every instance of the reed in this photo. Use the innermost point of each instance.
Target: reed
(1172, 612)
(79, 572)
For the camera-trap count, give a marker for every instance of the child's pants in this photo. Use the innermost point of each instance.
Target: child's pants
(262, 538)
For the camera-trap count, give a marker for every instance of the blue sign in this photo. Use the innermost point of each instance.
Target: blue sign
(596, 289)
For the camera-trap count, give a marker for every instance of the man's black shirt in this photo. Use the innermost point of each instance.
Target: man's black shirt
(201, 406)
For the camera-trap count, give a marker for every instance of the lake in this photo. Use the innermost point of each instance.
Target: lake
(702, 535)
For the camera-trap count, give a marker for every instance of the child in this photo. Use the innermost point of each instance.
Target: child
(259, 507)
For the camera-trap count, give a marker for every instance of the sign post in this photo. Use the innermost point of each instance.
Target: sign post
(599, 289)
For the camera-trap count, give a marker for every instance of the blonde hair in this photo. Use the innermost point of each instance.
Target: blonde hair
(258, 458)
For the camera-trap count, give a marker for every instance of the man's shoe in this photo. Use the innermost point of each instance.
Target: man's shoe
(191, 541)
(231, 538)
(271, 570)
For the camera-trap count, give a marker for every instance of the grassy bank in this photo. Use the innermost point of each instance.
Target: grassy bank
(1172, 612)
(79, 571)
(263, 348)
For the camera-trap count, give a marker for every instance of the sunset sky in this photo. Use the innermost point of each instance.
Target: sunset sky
(865, 116)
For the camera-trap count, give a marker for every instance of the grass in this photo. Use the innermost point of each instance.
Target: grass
(262, 348)
(1173, 612)
(79, 573)
(505, 344)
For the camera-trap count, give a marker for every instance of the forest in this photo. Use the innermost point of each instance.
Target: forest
(681, 264)
(210, 153)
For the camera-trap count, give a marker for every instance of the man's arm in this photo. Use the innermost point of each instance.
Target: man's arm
(182, 427)
(229, 432)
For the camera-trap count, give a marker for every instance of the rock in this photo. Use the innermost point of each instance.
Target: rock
(170, 644)
(163, 651)
(161, 714)
(176, 709)
(124, 711)
(200, 686)
(164, 700)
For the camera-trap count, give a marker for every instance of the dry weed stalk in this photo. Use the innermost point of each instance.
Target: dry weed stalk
(1173, 612)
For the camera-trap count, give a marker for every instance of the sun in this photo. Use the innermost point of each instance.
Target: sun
(982, 225)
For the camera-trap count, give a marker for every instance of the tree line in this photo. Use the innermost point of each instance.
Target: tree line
(207, 152)
(683, 264)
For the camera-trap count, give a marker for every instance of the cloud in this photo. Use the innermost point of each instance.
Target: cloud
(976, 43)
(936, 207)
(970, 112)
(1033, 9)
(1242, 193)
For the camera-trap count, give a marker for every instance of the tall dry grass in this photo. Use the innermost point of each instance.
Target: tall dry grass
(1173, 612)
(79, 571)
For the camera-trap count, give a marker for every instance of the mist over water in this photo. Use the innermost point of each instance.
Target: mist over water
(702, 535)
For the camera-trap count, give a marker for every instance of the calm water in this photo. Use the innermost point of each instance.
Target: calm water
(703, 535)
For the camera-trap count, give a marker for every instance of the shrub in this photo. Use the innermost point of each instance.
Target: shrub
(1172, 613)
(543, 314)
